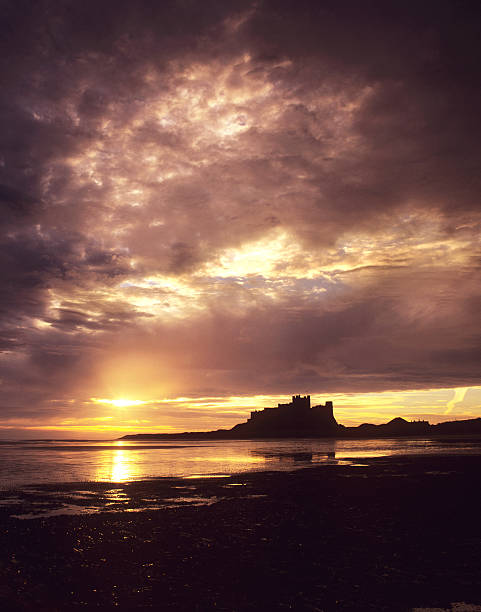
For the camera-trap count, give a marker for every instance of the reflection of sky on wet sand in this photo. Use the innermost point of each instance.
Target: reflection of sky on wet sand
(116, 466)
(28, 463)
(360, 454)
(238, 459)
(128, 464)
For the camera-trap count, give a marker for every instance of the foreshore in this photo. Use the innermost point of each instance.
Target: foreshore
(391, 533)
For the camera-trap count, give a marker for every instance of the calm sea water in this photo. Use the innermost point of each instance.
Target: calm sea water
(35, 462)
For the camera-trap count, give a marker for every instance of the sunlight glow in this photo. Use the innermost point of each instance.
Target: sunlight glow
(174, 414)
(118, 403)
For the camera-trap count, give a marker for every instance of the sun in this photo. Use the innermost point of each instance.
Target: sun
(125, 403)
(119, 403)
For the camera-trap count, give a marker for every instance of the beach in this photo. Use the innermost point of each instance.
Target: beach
(386, 533)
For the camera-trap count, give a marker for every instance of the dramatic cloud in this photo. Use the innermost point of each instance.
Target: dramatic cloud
(236, 200)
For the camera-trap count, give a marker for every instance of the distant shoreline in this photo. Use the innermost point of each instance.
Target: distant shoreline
(397, 428)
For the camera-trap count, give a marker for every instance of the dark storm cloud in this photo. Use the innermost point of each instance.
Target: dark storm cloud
(145, 140)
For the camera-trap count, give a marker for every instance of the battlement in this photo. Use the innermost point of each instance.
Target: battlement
(298, 402)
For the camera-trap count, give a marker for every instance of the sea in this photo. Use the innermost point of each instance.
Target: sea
(30, 462)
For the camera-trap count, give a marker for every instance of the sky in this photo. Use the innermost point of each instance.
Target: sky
(207, 207)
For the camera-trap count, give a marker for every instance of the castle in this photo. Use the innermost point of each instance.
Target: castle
(295, 419)
(298, 420)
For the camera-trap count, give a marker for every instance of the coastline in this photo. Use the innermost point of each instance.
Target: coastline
(397, 428)
(393, 533)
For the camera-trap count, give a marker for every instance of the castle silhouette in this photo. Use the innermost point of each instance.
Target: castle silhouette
(294, 419)
(297, 419)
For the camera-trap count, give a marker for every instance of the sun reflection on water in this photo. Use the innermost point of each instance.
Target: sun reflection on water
(119, 466)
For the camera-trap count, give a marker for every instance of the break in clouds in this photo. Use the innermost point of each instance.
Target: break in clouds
(236, 198)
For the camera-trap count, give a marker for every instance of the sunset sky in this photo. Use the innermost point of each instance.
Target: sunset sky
(210, 206)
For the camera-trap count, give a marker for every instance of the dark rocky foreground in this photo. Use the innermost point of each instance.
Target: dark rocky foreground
(394, 534)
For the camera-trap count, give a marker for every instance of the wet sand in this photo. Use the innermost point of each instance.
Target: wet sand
(391, 534)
